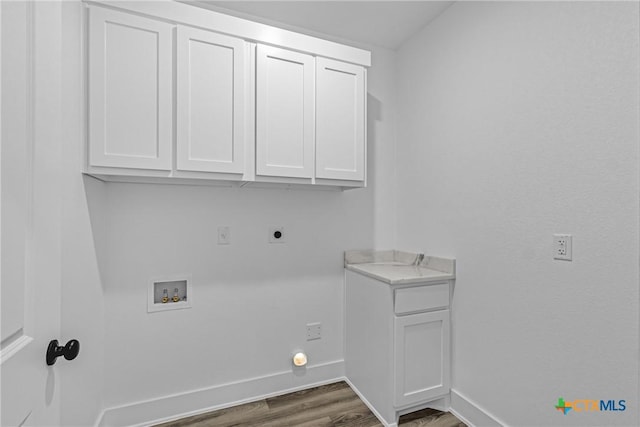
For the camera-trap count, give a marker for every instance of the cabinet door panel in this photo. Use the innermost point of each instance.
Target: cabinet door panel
(284, 113)
(210, 108)
(130, 85)
(421, 357)
(340, 120)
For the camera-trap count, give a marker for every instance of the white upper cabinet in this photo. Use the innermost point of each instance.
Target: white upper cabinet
(340, 120)
(211, 70)
(284, 113)
(130, 91)
(177, 93)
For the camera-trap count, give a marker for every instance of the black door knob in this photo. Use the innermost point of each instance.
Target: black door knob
(69, 351)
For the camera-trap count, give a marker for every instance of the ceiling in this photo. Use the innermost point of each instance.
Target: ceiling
(379, 23)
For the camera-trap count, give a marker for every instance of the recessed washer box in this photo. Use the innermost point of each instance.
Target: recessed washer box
(169, 293)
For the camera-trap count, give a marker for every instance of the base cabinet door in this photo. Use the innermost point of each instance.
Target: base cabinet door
(340, 120)
(285, 112)
(210, 101)
(130, 91)
(421, 357)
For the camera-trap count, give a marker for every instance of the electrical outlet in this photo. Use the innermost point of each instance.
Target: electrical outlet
(562, 247)
(276, 234)
(224, 235)
(314, 331)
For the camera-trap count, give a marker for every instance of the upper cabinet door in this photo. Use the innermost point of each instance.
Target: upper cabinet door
(284, 113)
(211, 100)
(340, 120)
(130, 89)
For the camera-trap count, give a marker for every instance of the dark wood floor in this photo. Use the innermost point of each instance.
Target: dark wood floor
(330, 405)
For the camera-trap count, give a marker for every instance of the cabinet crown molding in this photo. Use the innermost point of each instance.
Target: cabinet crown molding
(181, 13)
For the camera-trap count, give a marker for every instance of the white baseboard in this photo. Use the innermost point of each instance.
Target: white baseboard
(176, 406)
(369, 405)
(470, 413)
(172, 407)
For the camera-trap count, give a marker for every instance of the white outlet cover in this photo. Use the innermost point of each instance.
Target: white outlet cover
(314, 331)
(275, 231)
(563, 247)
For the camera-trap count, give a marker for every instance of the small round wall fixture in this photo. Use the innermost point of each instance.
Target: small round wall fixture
(300, 359)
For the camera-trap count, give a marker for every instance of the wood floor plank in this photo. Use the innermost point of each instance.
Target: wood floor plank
(427, 413)
(304, 412)
(360, 417)
(433, 419)
(331, 405)
(222, 417)
(328, 401)
(306, 395)
(322, 422)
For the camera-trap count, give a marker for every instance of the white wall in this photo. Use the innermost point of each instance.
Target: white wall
(251, 299)
(516, 121)
(381, 143)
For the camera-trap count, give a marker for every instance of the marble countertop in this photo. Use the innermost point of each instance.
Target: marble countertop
(398, 267)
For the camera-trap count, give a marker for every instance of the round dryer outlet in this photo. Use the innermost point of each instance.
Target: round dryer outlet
(276, 234)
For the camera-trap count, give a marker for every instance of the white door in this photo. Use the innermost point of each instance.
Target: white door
(340, 120)
(130, 91)
(285, 111)
(421, 357)
(30, 196)
(211, 71)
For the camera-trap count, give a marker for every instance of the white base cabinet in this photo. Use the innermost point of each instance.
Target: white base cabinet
(421, 357)
(397, 343)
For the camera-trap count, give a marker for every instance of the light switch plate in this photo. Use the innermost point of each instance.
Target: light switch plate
(224, 235)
